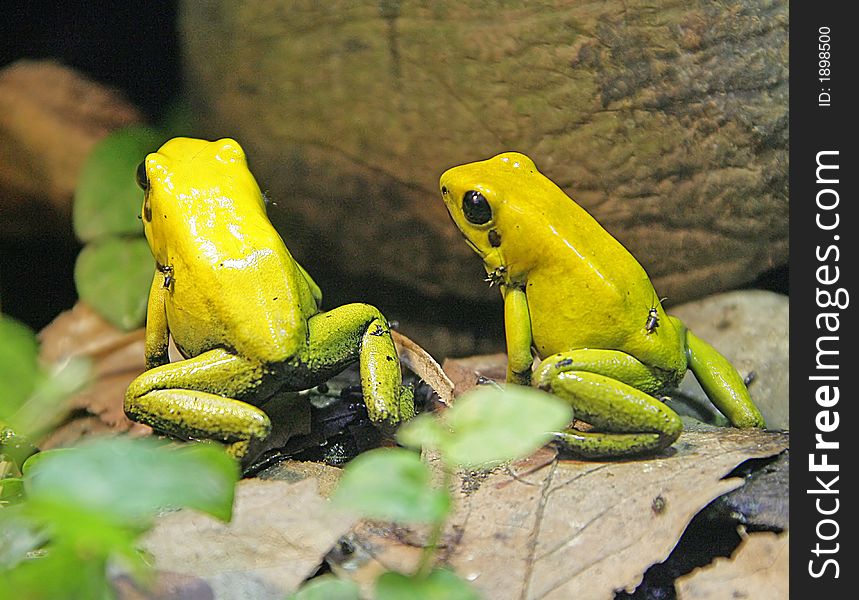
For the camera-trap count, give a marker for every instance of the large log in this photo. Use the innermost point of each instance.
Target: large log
(667, 120)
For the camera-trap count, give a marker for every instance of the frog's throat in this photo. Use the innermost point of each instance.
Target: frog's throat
(493, 261)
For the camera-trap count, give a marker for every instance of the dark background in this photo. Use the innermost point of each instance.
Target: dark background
(132, 46)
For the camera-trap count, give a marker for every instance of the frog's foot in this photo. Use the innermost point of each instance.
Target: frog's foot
(192, 399)
(496, 276)
(609, 390)
(721, 382)
(341, 335)
(604, 445)
(405, 404)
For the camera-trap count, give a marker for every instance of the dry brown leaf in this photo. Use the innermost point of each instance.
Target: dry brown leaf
(104, 398)
(464, 372)
(292, 471)
(424, 366)
(757, 569)
(371, 549)
(278, 536)
(585, 529)
(75, 430)
(116, 356)
(166, 586)
(81, 331)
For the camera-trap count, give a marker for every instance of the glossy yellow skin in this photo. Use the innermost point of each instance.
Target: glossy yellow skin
(244, 314)
(575, 296)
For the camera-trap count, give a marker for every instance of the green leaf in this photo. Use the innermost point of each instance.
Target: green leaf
(113, 276)
(327, 587)
(61, 573)
(127, 481)
(47, 404)
(19, 366)
(107, 198)
(11, 490)
(92, 503)
(17, 537)
(440, 584)
(493, 425)
(424, 431)
(38, 457)
(392, 484)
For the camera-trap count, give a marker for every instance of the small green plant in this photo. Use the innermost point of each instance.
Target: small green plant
(485, 428)
(68, 516)
(31, 397)
(114, 270)
(85, 507)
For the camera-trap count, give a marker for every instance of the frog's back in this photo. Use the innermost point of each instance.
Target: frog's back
(584, 288)
(251, 298)
(568, 313)
(234, 283)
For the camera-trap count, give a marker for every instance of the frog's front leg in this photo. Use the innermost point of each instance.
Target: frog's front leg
(720, 381)
(611, 391)
(196, 398)
(358, 331)
(517, 330)
(157, 332)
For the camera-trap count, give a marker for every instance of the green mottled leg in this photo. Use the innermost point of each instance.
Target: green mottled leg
(517, 329)
(722, 383)
(194, 398)
(609, 390)
(341, 335)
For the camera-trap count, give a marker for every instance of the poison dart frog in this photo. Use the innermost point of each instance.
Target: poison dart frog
(578, 299)
(244, 314)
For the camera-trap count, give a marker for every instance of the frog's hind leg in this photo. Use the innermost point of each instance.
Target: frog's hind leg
(721, 382)
(195, 398)
(359, 331)
(611, 391)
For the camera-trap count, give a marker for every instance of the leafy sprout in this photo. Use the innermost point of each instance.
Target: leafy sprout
(485, 428)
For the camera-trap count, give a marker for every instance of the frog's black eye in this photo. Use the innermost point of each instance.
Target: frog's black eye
(476, 208)
(142, 179)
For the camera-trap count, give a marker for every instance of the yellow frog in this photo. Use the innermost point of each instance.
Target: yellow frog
(585, 305)
(244, 314)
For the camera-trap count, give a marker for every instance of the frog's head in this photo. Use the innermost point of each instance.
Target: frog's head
(187, 182)
(494, 203)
